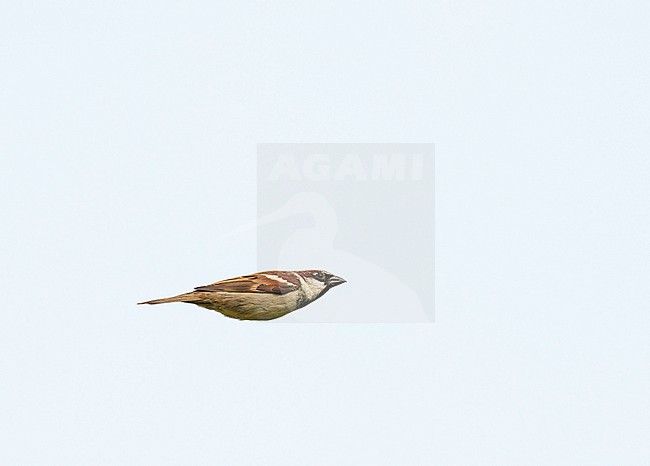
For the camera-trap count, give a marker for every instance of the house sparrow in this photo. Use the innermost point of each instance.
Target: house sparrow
(260, 296)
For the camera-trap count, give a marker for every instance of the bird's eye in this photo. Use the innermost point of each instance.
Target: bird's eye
(320, 275)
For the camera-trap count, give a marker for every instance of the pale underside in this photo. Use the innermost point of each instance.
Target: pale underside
(249, 306)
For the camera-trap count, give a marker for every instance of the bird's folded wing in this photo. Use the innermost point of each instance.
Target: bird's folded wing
(256, 283)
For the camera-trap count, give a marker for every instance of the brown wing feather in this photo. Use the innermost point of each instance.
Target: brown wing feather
(262, 282)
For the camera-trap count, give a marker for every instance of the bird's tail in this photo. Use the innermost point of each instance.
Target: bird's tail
(181, 298)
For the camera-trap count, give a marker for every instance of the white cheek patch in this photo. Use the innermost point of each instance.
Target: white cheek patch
(312, 287)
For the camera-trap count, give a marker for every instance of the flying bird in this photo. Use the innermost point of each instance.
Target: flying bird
(259, 296)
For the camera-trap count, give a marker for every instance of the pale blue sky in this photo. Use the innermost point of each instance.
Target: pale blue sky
(128, 137)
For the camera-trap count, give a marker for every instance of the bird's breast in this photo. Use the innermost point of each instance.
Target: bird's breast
(254, 306)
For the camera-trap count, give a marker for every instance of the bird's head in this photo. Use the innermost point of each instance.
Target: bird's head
(319, 281)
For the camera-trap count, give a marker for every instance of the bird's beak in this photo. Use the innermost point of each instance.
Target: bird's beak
(334, 281)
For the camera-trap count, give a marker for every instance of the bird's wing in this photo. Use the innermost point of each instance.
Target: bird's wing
(262, 282)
